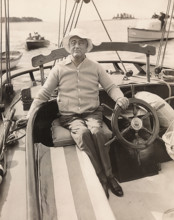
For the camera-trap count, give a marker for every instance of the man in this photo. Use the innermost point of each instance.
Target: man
(162, 19)
(77, 79)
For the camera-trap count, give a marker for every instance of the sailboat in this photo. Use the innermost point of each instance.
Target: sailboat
(150, 30)
(45, 180)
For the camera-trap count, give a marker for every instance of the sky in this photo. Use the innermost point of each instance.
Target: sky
(48, 10)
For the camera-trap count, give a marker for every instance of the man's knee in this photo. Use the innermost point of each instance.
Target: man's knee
(97, 131)
(85, 133)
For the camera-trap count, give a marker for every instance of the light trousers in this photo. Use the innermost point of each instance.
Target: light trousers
(86, 130)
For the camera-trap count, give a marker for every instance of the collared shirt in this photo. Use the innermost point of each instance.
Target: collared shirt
(78, 86)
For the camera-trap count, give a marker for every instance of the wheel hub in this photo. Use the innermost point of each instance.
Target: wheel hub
(136, 123)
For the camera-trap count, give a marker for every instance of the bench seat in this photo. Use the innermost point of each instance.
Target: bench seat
(69, 186)
(62, 136)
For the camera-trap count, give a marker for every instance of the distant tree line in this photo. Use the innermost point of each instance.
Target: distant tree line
(123, 16)
(23, 19)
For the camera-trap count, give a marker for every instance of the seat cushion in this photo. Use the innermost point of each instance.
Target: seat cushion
(62, 136)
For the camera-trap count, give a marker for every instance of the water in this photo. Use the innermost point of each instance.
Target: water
(117, 30)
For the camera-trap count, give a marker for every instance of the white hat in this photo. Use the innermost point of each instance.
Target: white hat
(80, 33)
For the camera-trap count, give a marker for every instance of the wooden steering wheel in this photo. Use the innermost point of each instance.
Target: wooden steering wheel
(137, 127)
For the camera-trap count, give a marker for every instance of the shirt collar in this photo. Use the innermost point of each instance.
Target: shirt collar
(69, 60)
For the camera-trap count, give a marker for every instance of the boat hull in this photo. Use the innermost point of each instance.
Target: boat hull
(36, 167)
(35, 44)
(143, 35)
(15, 57)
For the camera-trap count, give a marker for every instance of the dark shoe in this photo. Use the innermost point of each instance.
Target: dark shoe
(115, 187)
(105, 188)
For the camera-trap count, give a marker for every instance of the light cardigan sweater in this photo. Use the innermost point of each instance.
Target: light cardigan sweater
(78, 87)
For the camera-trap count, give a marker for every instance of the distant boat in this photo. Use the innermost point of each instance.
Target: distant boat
(36, 41)
(148, 30)
(143, 35)
(15, 57)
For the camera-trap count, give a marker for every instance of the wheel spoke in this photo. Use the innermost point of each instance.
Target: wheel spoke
(126, 130)
(125, 117)
(146, 115)
(138, 139)
(135, 110)
(148, 131)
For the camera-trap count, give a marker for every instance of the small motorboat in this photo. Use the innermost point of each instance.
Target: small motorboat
(36, 41)
(146, 31)
(14, 57)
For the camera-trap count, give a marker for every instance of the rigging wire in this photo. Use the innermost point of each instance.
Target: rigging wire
(171, 16)
(65, 29)
(71, 26)
(78, 15)
(64, 21)
(8, 39)
(69, 21)
(163, 33)
(6, 7)
(109, 37)
(59, 23)
(1, 50)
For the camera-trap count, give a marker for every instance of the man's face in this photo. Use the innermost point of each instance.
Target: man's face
(78, 46)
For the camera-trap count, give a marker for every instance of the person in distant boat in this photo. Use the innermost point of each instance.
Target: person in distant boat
(30, 37)
(36, 36)
(77, 79)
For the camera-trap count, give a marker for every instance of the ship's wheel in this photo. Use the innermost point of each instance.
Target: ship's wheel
(137, 127)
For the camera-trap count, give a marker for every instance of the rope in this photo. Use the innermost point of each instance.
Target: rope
(13, 104)
(110, 38)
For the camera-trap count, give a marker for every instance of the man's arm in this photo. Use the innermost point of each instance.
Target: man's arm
(113, 90)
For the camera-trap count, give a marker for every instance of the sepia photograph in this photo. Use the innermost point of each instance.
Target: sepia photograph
(86, 110)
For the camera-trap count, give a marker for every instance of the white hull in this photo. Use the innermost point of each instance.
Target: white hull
(143, 35)
(15, 57)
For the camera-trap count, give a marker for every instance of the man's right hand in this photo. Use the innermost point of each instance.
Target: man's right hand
(123, 102)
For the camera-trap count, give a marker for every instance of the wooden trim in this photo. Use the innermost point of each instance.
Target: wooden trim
(105, 46)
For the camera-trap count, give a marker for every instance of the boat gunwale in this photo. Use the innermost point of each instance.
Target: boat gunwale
(16, 56)
(148, 30)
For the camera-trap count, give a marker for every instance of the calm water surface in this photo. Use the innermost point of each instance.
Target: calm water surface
(116, 28)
